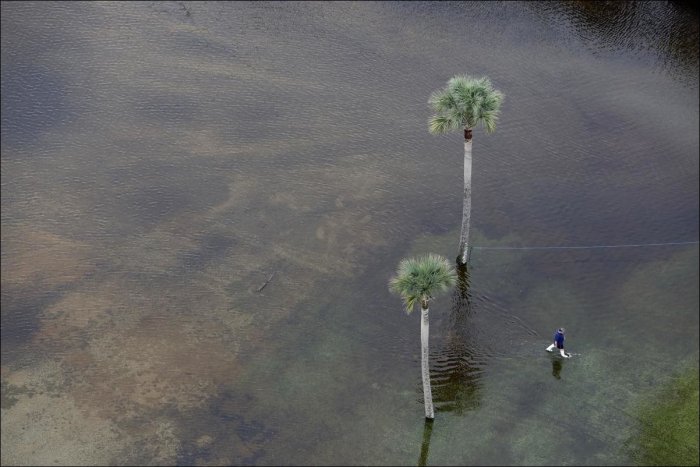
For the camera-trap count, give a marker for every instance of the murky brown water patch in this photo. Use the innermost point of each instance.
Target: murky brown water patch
(42, 260)
(52, 430)
(125, 351)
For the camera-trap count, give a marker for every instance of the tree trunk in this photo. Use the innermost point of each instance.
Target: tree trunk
(467, 204)
(425, 362)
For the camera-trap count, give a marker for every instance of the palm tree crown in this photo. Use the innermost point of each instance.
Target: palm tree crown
(419, 279)
(464, 103)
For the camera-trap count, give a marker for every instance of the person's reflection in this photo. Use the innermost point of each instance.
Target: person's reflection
(556, 368)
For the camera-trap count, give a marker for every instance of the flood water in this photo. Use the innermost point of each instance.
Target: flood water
(202, 205)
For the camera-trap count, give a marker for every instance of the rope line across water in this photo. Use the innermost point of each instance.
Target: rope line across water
(578, 247)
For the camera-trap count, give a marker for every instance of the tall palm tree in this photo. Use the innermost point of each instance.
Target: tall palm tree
(464, 103)
(418, 280)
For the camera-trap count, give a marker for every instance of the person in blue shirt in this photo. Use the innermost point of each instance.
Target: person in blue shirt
(559, 343)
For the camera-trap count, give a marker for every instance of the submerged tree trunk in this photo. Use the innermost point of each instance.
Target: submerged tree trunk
(425, 362)
(467, 204)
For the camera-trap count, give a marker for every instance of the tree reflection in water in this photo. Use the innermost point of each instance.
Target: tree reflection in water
(456, 369)
(427, 433)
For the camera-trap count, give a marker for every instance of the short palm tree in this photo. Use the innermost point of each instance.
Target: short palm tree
(418, 280)
(464, 103)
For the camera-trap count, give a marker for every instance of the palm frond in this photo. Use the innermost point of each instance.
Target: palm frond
(442, 100)
(421, 278)
(403, 286)
(489, 120)
(465, 102)
(441, 124)
(459, 82)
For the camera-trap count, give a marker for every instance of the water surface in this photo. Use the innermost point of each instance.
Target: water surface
(202, 204)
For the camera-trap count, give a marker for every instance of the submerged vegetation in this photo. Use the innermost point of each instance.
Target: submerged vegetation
(669, 434)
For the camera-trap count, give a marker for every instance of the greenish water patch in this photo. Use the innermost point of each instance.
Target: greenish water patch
(619, 307)
(669, 420)
(9, 392)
